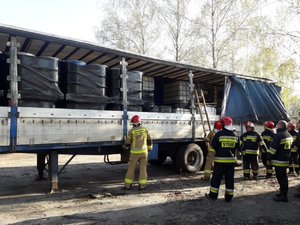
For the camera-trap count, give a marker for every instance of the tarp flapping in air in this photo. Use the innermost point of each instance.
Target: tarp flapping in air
(252, 100)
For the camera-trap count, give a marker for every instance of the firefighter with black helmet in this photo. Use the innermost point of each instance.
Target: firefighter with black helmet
(251, 142)
(294, 160)
(278, 156)
(140, 143)
(225, 143)
(267, 136)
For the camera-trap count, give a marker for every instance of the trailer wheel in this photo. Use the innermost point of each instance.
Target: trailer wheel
(161, 159)
(190, 158)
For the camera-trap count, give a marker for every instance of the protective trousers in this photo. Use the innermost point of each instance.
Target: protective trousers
(269, 168)
(294, 163)
(282, 179)
(208, 163)
(250, 160)
(134, 159)
(221, 169)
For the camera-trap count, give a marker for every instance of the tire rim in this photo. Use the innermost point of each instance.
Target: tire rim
(193, 158)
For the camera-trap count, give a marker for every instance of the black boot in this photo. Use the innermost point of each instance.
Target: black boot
(210, 196)
(281, 198)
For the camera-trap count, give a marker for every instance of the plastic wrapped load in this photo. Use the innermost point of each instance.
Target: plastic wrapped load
(84, 85)
(134, 89)
(39, 81)
(4, 84)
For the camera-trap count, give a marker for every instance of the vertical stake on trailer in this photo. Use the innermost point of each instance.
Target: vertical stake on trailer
(13, 95)
(124, 93)
(124, 154)
(193, 119)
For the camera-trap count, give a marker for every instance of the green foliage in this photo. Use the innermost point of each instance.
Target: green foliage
(267, 64)
(291, 101)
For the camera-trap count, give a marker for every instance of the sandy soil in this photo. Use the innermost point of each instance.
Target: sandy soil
(91, 193)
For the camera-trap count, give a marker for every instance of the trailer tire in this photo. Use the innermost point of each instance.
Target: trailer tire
(161, 159)
(190, 158)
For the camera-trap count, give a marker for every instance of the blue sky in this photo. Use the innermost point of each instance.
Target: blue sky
(70, 18)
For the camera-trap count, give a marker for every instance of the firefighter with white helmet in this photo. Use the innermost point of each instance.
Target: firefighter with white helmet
(225, 143)
(267, 136)
(139, 141)
(251, 143)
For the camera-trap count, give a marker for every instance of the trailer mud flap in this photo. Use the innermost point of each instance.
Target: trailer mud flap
(153, 154)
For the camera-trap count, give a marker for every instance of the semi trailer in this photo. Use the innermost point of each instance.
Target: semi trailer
(164, 96)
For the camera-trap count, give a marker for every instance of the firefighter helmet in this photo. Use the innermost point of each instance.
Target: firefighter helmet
(291, 126)
(226, 121)
(249, 124)
(269, 124)
(136, 120)
(282, 124)
(218, 125)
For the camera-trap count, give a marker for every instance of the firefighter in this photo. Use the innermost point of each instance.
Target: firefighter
(251, 143)
(211, 152)
(140, 143)
(296, 143)
(267, 136)
(225, 143)
(278, 156)
(294, 160)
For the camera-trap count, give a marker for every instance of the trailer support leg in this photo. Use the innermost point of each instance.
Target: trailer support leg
(53, 171)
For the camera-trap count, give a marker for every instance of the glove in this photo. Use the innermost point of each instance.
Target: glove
(125, 147)
(269, 163)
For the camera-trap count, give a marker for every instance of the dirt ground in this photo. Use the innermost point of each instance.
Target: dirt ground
(91, 193)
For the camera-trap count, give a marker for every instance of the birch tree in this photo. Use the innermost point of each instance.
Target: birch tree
(180, 31)
(223, 23)
(129, 25)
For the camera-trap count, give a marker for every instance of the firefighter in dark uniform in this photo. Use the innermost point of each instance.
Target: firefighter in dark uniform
(225, 143)
(296, 145)
(251, 142)
(278, 156)
(140, 143)
(294, 160)
(267, 136)
(211, 151)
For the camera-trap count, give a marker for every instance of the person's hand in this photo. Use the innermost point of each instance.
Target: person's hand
(269, 163)
(125, 147)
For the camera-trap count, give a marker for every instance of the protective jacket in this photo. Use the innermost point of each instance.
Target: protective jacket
(210, 155)
(251, 143)
(139, 140)
(294, 135)
(280, 148)
(267, 136)
(225, 143)
(296, 143)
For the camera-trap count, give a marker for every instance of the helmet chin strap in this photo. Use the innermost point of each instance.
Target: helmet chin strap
(136, 124)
